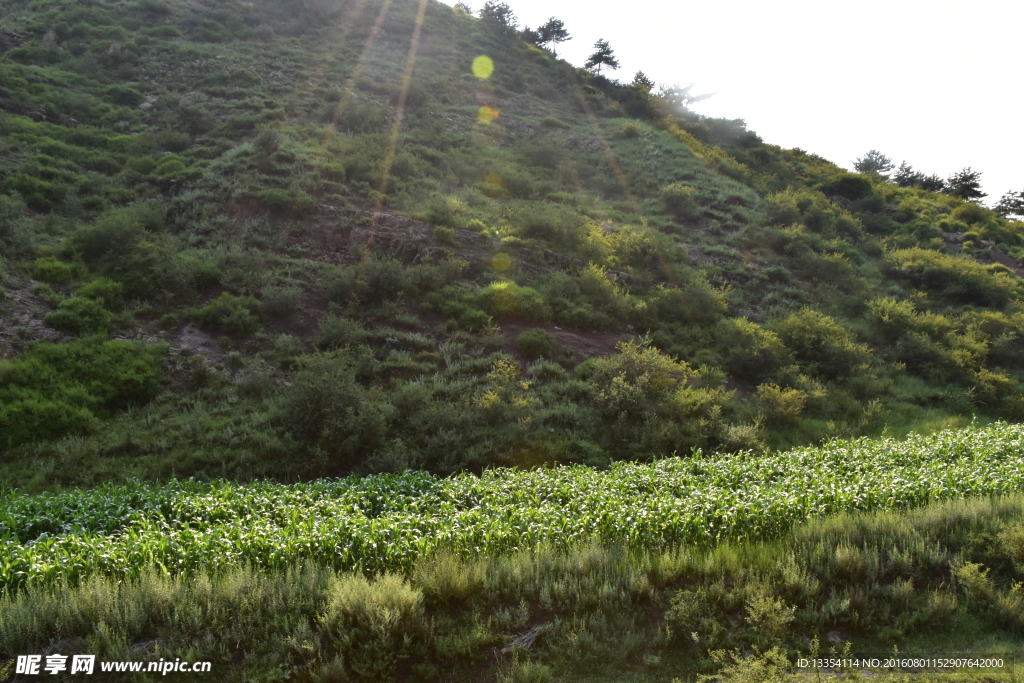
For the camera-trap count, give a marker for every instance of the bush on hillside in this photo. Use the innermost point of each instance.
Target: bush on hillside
(55, 272)
(79, 315)
(847, 185)
(507, 299)
(56, 390)
(957, 279)
(537, 343)
(331, 413)
(105, 290)
(752, 353)
(821, 344)
(230, 314)
(335, 332)
(126, 245)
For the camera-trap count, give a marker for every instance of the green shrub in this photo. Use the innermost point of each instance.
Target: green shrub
(681, 200)
(46, 293)
(537, 343)
(752, 353)
(383, 280)
(55, 390)
(230, 314)
(282, 303)
(960, 280)
(821, 344)
(630, 129)
(558, 225)
(104, 289)
(445, 235)
(375, 624)
(39, 194)
(458, 304)
(53, 271)
(163, 31)
(781, 406)
(79, 315)
(848, 185)
(506, 298)
(327, 410)
(124, 95)
(552, 122)
(125, 244)
(237, 78)
(16, 236)
(812, 209)
(336, 332)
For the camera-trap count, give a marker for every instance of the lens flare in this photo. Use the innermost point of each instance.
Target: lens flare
(486, 114)
(501, 262)
(483, 67)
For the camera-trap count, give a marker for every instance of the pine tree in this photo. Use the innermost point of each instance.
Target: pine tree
(642, 81)
(966, 184)
(875, 163)
(1011, 204)
(553, 32)
(603, 56)
(906, 176)
(500, 13)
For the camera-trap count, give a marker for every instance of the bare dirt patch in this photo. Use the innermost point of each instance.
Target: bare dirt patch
(581, 343)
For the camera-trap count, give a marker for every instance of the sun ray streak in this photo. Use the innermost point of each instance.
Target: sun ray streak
(357, 70)
(410, 62)
(389, 154)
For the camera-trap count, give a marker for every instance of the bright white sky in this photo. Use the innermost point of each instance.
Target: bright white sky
(937, 84)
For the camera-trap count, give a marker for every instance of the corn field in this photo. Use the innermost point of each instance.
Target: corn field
(386, 522)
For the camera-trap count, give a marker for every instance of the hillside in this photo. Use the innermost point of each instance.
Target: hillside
(301, 239)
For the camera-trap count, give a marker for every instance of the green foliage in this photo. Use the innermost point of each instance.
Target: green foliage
(374, 625)
(445, 235)
(752, 352)
(958, 280)
(328, 411)
(680, 200)
(506, 298)
(79, 315)
(587, 299)
(826, 347)
(386, 523)
(125, 245)
(16, 236)
(737, 613)
(781, 406)
(458, 304)
(230, 314)
(966, 185)
(55, 390)
(282, 303)
(812, 209)
(104, 290)
(335, 332)
(603, 56)
(536, 343)
(874, 162)
(554, 123)
(53, 271)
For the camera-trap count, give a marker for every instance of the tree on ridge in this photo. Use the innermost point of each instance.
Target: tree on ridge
(603, 56)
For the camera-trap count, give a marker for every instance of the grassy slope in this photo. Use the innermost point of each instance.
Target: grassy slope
(211, 163)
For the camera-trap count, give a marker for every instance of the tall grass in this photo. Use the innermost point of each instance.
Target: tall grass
(944, 575)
